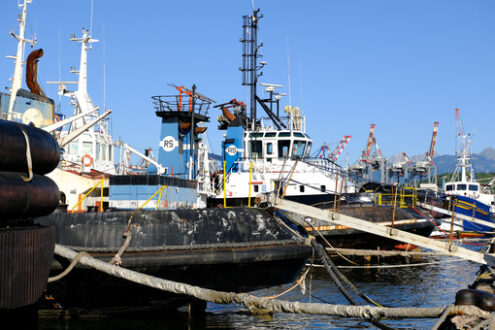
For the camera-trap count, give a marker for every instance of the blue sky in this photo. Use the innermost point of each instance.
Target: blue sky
(398, 64)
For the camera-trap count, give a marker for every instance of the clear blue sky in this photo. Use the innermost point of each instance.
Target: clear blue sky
(399, 64)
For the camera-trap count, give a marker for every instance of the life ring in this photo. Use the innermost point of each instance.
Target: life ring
(87, 160)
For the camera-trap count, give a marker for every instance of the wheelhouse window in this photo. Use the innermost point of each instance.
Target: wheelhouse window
(73, 148)
(87, 147)
(284, 134)
(461, 187)
(110, 152)
(255, 149)
(473, 187)
(270, 134)
(449, 187)
(308, 149)
(269, 148)
(298, 148)
(283, 148)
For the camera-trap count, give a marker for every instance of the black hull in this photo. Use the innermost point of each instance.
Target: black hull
(356, 239)
(236, 250)
(303, 199)
(405, 219)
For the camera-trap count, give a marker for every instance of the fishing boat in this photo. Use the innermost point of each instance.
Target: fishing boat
(464, 195)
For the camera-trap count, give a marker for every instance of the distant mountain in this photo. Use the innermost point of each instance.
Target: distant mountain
(483, 162)
(488, 153)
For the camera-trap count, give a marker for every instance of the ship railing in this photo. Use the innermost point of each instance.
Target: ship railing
(267, 122)
(323, 164)
(403, 198)
(173, 103)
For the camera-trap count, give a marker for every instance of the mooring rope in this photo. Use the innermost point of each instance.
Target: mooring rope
(391, 266)
(73, 263)
(332, 269)
(273, 305)
(299, 282)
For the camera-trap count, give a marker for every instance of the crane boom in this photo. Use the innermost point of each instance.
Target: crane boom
(371, 136)
(431, 153)
(340, 147)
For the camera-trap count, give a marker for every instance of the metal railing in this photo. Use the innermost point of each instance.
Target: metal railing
(403, 197)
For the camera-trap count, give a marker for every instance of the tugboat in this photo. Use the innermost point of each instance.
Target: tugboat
(88, 156)
(262, 155)
(27, 154)
(272, 155)
(157, 223)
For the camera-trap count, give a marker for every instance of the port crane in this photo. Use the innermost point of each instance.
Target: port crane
(334, 156)
(426, 167)
(371, 160)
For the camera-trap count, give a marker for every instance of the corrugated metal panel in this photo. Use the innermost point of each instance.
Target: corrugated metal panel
(25, 259)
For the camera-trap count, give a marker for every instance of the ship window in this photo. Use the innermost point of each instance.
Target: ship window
(308, 149)
(283, 148)
(87, 148)
(284, 134)
(255, 149)
(473, 187)
(97, 150)
(256, 135)
(449, 187)
(301, 188)
(298, 148)
(461, 187)
(110, 152)
(269, 148)
(256, 188)
(104, 151)
(73, 148)
(297, 134)
(270, 134)
(323, 188)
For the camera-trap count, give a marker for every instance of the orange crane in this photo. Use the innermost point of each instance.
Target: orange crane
(340, 147)
(431, 153)
(366, 152)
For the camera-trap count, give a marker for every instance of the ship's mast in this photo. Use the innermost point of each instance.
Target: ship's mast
(250, 59)
(464, 155)
(80, 98)
(17, 78)
(250, 70)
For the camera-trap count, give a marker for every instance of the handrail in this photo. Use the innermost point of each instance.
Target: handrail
(84, 197)
(406, 198)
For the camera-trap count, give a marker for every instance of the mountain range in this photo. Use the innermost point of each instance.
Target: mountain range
(483, 162)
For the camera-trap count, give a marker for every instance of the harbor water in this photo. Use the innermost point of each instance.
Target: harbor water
(433, 282)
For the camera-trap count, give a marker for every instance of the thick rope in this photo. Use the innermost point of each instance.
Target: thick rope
(69, 268)
(299, 282)
(274, 305)
(391, 266)
(28, 157)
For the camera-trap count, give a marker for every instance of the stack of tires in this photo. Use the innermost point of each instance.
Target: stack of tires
(26, 250)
